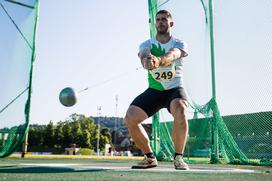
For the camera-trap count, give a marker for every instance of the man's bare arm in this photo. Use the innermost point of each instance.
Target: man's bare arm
(172, 55)
(144, 54)
(150, 61)
(146, 60)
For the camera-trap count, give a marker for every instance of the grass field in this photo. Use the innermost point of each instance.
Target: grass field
(118, 168)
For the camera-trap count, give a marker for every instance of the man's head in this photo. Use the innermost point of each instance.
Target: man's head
(164, 22)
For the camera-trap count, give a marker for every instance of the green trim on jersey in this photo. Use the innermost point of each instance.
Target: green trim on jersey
(157, 51)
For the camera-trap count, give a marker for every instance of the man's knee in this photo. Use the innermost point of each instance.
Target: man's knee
(134, 116)
(179, 110)
(178, 106)
(129, 117)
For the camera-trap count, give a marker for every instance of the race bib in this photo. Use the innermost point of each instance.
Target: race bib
(163, 74)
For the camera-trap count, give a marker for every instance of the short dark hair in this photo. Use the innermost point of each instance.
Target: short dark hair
(164, 12)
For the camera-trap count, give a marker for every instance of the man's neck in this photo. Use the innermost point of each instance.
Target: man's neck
(163, 38)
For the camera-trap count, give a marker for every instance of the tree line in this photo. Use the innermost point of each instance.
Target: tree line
(78, 129)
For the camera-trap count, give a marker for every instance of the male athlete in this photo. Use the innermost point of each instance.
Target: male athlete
(162, 56)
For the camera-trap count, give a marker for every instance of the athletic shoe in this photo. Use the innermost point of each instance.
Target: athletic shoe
(180, 164)
(146, 163)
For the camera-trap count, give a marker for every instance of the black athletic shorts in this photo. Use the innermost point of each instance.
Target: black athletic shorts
(152, 100)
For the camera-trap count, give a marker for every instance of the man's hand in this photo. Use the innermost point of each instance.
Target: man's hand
(151, 62)
(155, 61)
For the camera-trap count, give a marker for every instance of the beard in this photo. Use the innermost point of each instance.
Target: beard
(162, 30)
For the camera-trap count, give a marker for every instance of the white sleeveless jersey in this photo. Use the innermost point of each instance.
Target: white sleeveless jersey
(165, 77)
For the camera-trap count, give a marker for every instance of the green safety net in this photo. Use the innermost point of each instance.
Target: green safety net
(17, 53)
(228, 77)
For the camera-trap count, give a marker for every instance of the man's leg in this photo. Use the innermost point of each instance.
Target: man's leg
(178, 108)
(133, 119)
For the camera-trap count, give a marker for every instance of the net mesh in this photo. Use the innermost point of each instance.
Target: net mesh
(17, 53)
(230, 105)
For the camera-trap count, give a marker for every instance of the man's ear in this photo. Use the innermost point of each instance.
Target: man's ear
(171, 24)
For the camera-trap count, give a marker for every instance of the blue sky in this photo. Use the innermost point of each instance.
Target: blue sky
(85, 43)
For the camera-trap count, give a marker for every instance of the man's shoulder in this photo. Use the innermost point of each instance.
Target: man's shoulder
(148, 41)
(146, 44)
(177, 40)
(178, 43)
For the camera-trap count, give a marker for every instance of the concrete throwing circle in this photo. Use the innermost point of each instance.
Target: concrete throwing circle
(162, 168)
